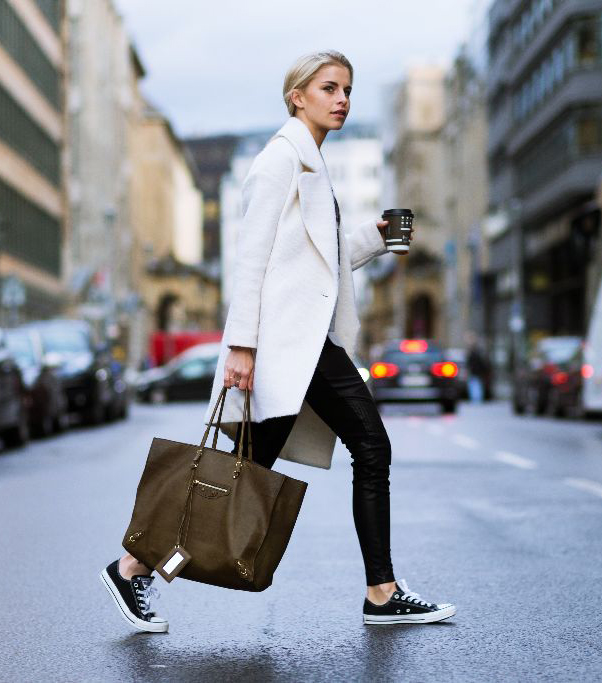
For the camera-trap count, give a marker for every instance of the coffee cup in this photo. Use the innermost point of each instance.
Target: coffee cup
(399, 230)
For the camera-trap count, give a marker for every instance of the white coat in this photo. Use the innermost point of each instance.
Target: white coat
(285, 288)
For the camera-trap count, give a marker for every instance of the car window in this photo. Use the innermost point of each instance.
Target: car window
(193, 369)
(558, 350)
(65, 339)
(21, 347)
(404, 359)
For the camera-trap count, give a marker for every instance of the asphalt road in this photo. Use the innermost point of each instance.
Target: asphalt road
(498, 514)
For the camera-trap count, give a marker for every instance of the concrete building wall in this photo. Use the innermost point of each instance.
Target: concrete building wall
(32, 212)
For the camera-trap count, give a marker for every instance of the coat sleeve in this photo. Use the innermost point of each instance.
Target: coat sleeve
(264, 195)
(365, 242)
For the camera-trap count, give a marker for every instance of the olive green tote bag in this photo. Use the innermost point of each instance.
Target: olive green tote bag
(212, 516)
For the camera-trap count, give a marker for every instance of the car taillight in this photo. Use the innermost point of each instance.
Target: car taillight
(560, 378)
(381, 370)
(549, 368)
(413, 346)
(446, 369)
(587, 371)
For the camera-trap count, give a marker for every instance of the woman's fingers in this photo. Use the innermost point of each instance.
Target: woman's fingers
(238, 369)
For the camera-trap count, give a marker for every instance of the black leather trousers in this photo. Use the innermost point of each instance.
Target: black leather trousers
(339, 396)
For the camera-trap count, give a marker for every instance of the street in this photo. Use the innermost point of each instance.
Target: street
(501, 515)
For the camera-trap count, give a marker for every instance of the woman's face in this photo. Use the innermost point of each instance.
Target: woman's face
(324, 98)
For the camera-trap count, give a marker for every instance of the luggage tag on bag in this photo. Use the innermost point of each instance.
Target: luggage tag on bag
(173, 563)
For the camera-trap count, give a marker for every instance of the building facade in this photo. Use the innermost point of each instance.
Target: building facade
(176, 289)
(465, 156)
(414, 178)
(32, 210)
(544, 97)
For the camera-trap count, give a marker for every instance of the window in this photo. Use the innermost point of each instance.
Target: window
(587, 41)
(588, 132)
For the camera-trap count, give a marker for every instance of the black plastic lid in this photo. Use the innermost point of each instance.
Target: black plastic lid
(398, 212)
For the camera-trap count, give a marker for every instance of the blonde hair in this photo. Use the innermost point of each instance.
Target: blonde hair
(305, 68)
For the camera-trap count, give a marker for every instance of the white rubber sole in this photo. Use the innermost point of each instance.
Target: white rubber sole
(426, 618)
(140, 624)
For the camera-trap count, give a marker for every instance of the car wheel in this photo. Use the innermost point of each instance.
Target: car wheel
(45, 427)
(449, 407)
(555, 407)
(157, 396)
(18, 435)
(61, 422)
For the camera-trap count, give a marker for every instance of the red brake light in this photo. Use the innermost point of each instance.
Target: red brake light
(549, 368)
(587, 371)
(413, 346)
(560, 378)
(446, 369)
(380, 370)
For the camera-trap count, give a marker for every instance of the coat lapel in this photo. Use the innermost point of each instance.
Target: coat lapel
(315, 194)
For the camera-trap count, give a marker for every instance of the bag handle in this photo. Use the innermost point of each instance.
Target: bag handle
(245, 429)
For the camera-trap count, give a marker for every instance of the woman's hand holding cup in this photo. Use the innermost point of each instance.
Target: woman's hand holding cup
(397, 230)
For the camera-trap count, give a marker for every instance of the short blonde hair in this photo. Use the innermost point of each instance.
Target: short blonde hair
(305, 68)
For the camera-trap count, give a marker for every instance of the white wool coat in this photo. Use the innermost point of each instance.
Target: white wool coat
(287, 285)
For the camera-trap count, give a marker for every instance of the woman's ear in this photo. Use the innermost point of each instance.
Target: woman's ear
(297, 98)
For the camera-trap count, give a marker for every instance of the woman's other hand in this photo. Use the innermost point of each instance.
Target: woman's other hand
(239, 368)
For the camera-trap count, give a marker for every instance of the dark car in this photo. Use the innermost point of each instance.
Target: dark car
(14, 399)
(48, 403)
(83, 366)
(566, 379)
(187, 377)
(413, 370)
(537, 376)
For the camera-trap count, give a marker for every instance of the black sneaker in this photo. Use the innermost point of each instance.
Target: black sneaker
(406, 607)
(133, 598)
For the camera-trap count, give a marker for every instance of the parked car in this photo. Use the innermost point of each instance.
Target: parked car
(542, 372)
(83, 366)
(48, 409)
(14, 399)
(413, 370)
(565, 394)
(187, 377)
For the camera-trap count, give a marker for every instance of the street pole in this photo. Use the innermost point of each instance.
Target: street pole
(517, 315)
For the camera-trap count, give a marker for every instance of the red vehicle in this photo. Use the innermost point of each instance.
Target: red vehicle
(413, 370)
(167, 345)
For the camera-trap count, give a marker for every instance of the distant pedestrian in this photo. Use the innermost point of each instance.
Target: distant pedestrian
(289, 335)
(478, 368)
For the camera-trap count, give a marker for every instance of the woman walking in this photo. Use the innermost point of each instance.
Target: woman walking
(290, 332)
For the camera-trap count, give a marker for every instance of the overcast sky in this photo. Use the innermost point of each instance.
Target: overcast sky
(219, 66)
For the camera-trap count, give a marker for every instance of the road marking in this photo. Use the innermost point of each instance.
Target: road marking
(435, 429)
(516, 460)
(585, 485)
(465, 441)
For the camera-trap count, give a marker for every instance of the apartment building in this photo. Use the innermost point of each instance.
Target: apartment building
(31, 178)
(544, 97)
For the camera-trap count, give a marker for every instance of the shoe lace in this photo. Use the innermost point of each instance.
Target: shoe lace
(145, 594)
(411, 596)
